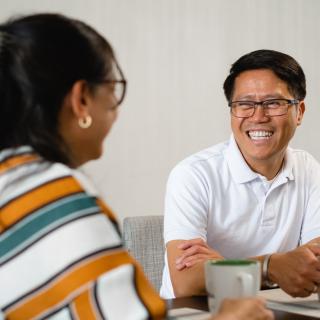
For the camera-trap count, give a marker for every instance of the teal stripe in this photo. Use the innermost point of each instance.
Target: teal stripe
(43, 220)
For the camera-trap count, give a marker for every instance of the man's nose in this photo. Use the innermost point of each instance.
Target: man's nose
(259, 113)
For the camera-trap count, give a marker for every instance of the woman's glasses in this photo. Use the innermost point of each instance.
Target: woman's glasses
(118, 84)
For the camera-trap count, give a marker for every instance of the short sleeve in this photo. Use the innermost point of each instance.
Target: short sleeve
(311, 222)
(186, 204)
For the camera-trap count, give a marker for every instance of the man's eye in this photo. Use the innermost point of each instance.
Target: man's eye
(272, 104)
(245, 104)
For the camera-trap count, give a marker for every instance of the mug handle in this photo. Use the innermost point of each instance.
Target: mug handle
(246, 281)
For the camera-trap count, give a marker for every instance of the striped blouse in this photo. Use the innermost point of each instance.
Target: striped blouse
(61, 255)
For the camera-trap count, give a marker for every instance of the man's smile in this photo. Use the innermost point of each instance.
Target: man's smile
(259, 134)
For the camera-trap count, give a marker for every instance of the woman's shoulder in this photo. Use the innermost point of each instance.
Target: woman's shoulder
(30, 183)
(22, 166)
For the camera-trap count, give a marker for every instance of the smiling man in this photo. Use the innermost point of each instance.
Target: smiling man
(252, 196)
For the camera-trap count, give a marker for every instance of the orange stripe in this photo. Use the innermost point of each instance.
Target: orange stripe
(16, 161)
(37, 198)
(149, 296)
(83, 275)
(83, 308)
(61, 288)
(105, 209)
(2, 228)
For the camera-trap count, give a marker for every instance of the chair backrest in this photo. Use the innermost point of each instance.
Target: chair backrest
(143, 238)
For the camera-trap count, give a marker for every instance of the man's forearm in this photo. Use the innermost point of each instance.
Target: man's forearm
(189, 281)
(186, 259)
(297, 271)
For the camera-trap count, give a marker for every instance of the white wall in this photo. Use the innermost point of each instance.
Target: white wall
(176, 55)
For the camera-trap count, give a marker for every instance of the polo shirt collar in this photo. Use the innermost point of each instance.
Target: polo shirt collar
(242, 173)
(288, 171)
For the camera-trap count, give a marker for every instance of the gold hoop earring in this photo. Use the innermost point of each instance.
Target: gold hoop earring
(85, 122)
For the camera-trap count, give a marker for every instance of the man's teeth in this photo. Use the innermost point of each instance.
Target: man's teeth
(256, 135)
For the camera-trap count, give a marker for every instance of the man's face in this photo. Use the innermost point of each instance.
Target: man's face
(262, 139)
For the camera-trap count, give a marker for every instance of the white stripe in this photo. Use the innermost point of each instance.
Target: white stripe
(85, 182)
(47, 228)
(68, 299)
(63, 314)
(53, 253)
(14, 152)
(41, 211)
(28, 177)
(117, 295)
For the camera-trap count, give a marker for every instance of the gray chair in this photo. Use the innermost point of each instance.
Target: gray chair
(143, 238)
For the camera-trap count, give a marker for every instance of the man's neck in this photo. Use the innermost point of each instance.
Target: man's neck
(268, 169)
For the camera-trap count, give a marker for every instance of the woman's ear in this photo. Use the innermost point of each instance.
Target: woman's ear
(300, 112)
(79, 99)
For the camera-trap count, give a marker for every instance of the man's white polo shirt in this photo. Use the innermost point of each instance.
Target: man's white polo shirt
(214, 195)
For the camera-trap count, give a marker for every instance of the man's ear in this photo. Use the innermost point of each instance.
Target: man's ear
(300, 111)
(79, 99)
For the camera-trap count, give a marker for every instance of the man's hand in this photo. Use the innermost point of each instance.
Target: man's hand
(297, 272)
(244, 309)
(195, 251)
(186, 260)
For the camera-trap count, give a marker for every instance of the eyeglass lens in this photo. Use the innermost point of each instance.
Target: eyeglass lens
(272, 107)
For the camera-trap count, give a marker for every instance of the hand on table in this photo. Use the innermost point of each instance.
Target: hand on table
(297, 272)
(243, 309)
(194, 251)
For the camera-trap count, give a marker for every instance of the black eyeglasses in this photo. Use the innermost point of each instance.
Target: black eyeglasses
(118, 86)
(271, 107)
(118, 89)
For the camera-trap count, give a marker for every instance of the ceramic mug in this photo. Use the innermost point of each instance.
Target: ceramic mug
(231, 279)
